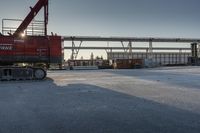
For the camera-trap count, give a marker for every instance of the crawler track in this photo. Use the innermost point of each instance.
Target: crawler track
(21, 73)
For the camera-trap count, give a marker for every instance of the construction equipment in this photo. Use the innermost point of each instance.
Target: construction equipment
(25, 49)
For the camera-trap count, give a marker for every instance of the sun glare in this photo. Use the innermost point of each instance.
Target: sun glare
(23, 34)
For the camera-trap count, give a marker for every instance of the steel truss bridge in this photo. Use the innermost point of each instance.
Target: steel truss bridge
(130, 40)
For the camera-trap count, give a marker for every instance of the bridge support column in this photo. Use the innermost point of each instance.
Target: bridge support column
(150, 51)
(72, 55)
(198, 51)
(130, 50)
(75, 50)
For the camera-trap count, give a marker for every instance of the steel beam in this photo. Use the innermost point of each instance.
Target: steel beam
(126, 48)
(132, 39)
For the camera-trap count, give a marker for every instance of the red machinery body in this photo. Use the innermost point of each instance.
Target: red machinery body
(19, 47)
(31, 49)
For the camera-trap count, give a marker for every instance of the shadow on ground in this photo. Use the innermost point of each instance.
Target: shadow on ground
(45, 107)
(179, 79)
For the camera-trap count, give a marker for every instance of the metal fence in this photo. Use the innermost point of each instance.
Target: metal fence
(36, 27)
(159, 58)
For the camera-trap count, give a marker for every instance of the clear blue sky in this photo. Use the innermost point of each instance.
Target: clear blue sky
(140, 18)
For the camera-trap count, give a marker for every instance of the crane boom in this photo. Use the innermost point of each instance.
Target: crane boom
(34, 11)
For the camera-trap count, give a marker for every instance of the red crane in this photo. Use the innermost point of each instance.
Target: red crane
(29, 49)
